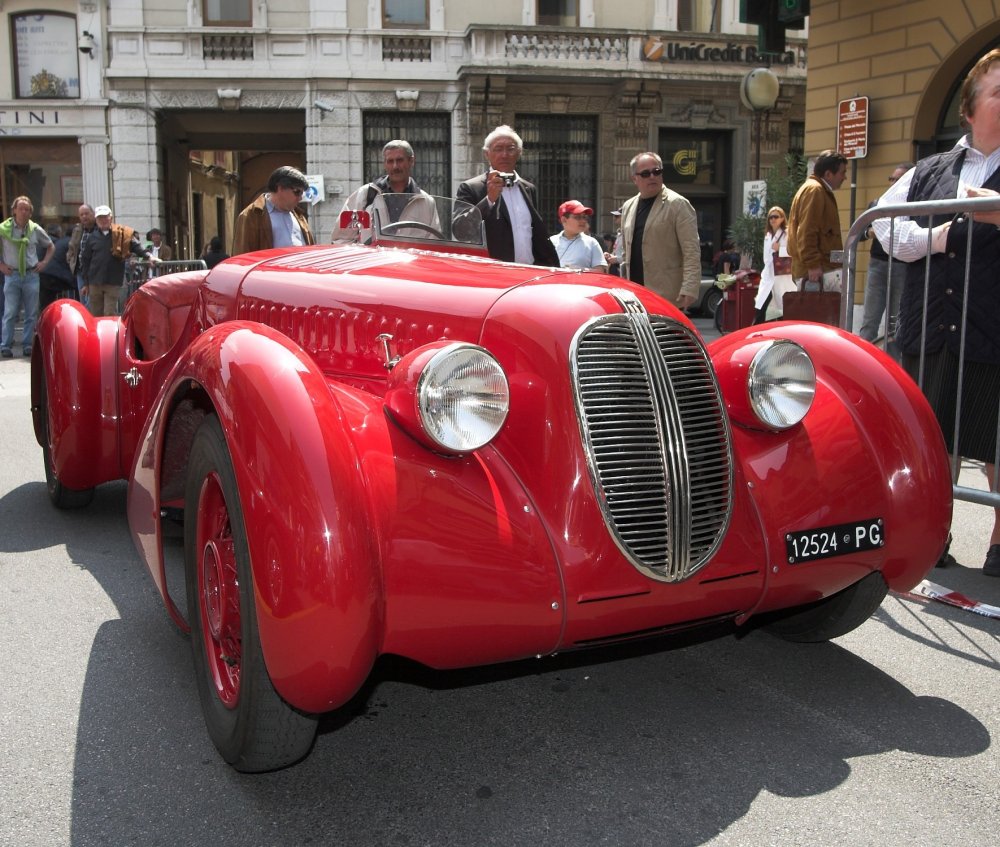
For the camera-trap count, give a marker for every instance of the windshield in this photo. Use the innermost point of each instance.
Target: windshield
(417, 220)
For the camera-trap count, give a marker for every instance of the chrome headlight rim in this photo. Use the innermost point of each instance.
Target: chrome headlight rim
(441, 427)
(781, 384)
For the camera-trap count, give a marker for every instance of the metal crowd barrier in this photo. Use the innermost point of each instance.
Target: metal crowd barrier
(136, 273)
(938, 212)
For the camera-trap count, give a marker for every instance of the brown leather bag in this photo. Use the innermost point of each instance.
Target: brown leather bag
(822, 307)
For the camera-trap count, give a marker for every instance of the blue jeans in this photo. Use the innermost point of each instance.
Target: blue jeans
(876, 294)
(19, 290)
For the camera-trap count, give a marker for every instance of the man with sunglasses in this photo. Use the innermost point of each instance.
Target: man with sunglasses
(274, 218)
(660, 235)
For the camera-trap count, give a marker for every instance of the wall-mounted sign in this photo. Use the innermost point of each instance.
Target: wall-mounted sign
(656, 49)
(46, 57)
(852, 127)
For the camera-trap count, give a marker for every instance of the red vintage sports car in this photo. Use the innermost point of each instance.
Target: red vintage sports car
(405, 450)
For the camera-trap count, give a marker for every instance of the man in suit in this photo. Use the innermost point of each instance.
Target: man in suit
(515, 232)
(660, 235)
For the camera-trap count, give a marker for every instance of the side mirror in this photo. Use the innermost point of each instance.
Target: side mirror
(356, 220)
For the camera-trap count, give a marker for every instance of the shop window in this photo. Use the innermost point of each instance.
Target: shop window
(228, 13)
(46, 59)
(796, 137)
(429, 134)
(698, 16)
(410, 13)
(560, 157)
(557, 13)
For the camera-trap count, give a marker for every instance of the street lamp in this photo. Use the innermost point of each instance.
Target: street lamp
(759, 93)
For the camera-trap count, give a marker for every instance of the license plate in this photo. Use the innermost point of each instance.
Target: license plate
(807, 545)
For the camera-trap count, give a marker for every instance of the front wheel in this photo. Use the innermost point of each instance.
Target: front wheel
(61, 496)
(833, 616)
(713, 299)
(251, 726)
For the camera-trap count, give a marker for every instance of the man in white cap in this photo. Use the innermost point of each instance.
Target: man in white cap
(102, 261)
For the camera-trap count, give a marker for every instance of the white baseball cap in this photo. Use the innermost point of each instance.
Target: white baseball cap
(102, 210)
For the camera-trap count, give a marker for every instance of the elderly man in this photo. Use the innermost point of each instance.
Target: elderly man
(660, 235)
(22, 241)
(103, 261)
(396, 196)
(274, 219)
(81, 232)
(515, 232)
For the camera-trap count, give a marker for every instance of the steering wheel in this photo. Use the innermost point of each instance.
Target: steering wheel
(389, 229)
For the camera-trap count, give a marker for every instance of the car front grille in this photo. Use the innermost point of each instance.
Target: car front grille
(657, 438)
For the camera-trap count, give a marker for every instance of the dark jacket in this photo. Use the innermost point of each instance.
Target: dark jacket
(936, 178)
(99, 265)
(499, 234)
(57, 276)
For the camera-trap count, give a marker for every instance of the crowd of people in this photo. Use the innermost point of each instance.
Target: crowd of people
(657, 245)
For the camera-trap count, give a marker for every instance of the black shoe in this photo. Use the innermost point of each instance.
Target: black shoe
(26, 352)
(992, 566)
(946, 558)
(6, 354)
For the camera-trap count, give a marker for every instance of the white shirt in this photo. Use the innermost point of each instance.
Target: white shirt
(520, 223)
(909, 241)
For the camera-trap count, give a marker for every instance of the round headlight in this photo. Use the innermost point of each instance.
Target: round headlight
(782, 383)
(463, 397)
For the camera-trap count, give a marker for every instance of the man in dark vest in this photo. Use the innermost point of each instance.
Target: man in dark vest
(970, 169)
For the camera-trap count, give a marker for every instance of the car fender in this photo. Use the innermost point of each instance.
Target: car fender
(317, 582)
(869, 447)
(75, 355)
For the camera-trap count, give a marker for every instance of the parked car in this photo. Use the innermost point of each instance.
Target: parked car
(408, 448)
(709, 298)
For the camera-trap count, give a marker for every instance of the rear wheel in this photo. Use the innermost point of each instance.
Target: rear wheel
(61, 496)
(834, 616)
(252, 727)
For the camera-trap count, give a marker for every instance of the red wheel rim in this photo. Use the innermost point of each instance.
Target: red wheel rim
(219, 592)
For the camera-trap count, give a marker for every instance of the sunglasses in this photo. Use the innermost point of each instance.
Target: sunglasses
(649, 173)
(579, 217)
(774, 217)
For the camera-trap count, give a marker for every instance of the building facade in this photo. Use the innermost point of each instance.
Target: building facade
(181, 110)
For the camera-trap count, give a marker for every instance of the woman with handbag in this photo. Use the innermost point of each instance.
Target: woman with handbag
(776, 278)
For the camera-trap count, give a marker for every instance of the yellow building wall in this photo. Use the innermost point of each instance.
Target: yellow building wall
(904, 56)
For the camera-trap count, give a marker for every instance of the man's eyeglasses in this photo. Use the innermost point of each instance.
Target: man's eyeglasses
(298, 192)
(649, 173)
(504, 148)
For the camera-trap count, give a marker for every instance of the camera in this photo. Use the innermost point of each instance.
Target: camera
(508, 179)
(86, 44)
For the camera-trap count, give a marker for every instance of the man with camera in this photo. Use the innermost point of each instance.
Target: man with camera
(515, 232)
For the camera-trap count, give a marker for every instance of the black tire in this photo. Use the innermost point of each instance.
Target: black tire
(61, 496)
(253, 729)
(710, 305)
(834, 616)
(719, 312)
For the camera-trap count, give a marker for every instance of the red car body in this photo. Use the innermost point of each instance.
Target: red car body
(363, 540)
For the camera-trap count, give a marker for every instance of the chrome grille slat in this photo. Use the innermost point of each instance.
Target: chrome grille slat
(657, 438)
